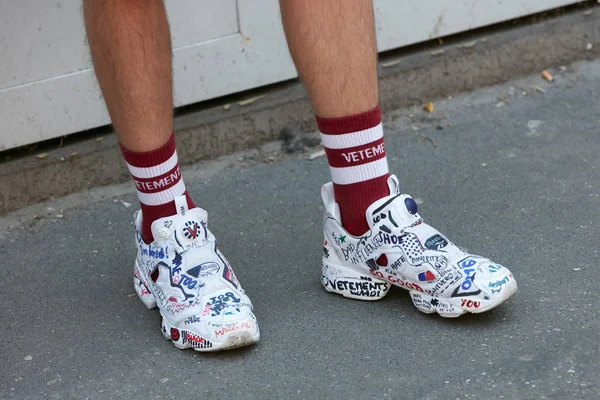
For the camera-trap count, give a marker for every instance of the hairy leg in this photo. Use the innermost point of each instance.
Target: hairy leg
(130, 45)
(334, 50)
(333, 46)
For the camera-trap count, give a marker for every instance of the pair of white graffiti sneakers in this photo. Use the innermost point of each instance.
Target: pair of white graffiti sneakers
(204, 307)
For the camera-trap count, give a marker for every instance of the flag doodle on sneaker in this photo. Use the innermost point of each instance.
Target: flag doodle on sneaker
(426, 276)
(411, 245)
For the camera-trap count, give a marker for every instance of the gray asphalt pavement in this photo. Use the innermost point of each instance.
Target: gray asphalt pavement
(509, 175)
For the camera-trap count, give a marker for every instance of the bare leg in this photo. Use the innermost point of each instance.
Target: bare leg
(333, 46)
(131, 50)
(130, 45)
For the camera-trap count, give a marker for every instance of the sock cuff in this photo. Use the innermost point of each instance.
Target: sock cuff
(151, 158)
(351, 123)
(354, 199)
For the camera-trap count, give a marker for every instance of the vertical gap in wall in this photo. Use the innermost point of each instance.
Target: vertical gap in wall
(237, 16)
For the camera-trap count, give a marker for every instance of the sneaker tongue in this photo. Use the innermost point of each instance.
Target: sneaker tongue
(394, 211)
(189, 228)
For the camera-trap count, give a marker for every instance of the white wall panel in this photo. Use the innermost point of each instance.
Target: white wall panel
(39, 40)
(197, 21)
(47, 87)
(233, 47)
(401, 22)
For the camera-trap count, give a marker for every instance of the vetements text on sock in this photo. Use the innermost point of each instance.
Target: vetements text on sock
(161, 182)
(366, 154)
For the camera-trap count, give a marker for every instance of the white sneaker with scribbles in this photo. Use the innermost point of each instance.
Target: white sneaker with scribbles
(439, 276)
(199, 297)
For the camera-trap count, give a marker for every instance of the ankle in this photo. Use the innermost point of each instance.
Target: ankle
(152, 213)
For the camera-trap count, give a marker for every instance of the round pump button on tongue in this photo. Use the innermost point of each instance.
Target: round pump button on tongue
(411, 205)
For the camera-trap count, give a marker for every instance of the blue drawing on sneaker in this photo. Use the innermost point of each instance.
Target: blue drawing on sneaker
(494, 268)
(411, 205)
(219, 303)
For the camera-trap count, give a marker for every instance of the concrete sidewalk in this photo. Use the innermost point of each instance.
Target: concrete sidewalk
(510, 175)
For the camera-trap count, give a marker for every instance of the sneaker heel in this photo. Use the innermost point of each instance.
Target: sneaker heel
(141, 289)
(352, 284)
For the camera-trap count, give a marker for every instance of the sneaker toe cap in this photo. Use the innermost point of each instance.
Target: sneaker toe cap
(494, 280)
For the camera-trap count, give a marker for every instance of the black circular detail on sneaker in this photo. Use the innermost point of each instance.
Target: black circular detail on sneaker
(411, 205)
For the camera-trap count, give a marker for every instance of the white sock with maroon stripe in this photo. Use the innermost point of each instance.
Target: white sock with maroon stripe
(158, 181)
(358, 164)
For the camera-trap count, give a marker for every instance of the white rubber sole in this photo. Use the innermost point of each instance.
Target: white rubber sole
(454, 307)
(235, 334)
(352, 284)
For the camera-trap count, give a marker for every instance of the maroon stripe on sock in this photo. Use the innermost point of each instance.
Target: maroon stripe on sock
(152, 158)
(358, 155)
(158, 183)
(352, 123)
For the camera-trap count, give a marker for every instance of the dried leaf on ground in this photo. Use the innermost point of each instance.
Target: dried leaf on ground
(429, 107)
